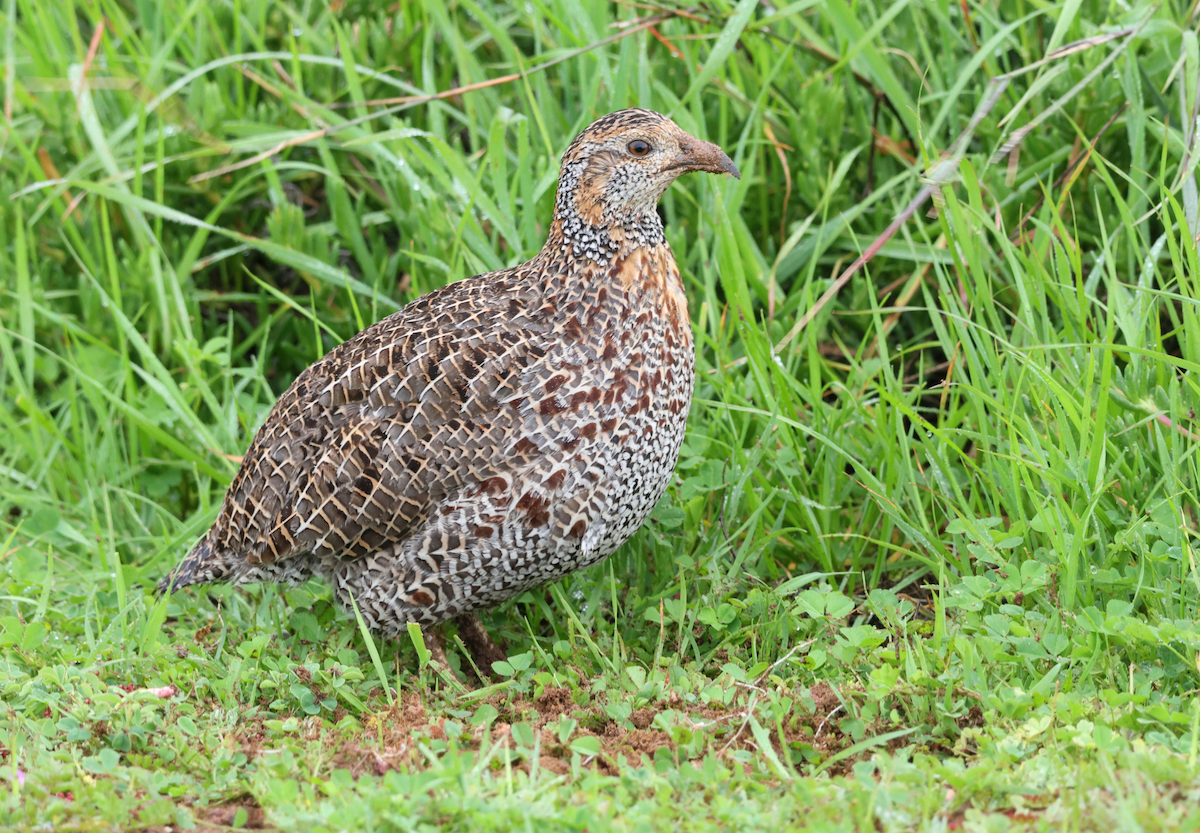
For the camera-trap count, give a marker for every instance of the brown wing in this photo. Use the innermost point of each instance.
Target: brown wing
(371, 438)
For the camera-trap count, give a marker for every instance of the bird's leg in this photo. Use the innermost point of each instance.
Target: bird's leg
(433, 643)
(478, 642)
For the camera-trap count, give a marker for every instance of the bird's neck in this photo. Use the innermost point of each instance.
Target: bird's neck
(629, 254)
(590, 232)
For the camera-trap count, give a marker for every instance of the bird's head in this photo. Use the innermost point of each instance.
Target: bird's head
(614, 173)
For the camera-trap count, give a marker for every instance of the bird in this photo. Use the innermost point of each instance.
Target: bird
(493, 435)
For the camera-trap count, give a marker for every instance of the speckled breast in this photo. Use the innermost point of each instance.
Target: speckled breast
(618, 385)
(655, 356)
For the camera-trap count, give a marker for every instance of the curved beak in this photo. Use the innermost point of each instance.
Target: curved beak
(704, 156)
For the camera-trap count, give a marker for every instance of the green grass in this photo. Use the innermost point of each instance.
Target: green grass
(929, 561)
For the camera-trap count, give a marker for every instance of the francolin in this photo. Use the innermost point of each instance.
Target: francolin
(495, 434)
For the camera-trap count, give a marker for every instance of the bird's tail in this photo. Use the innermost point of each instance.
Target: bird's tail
(203, 565)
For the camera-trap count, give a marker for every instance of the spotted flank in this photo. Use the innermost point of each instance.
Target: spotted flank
(493, 435)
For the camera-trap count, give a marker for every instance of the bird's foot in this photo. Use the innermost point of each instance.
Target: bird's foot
(479, 643)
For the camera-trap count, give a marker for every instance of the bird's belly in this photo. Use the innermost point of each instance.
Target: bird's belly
(634, 467)
(640, 473)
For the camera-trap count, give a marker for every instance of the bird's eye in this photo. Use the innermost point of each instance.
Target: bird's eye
(639, 148)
